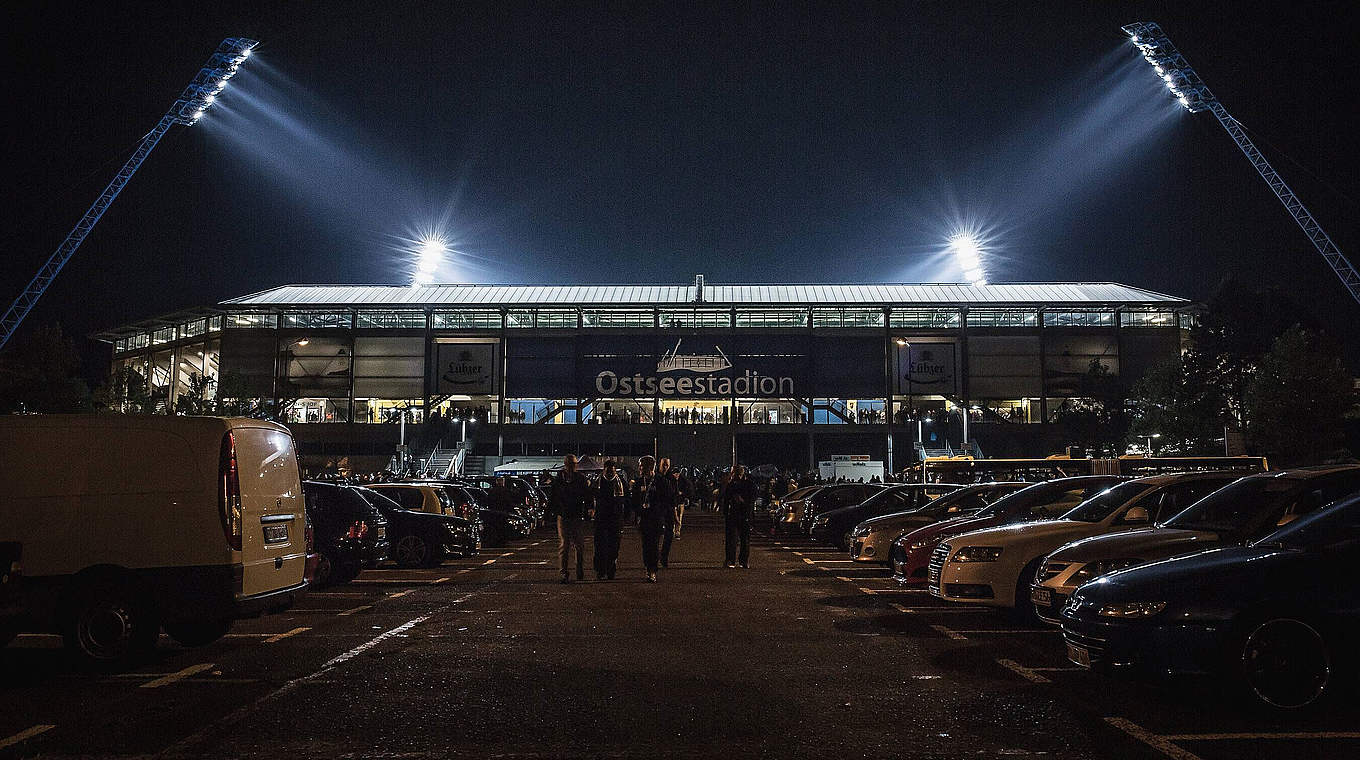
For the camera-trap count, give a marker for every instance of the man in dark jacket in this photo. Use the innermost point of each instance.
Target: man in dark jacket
(658, 519)
(738, 502)
(571, 500)
(610, 500)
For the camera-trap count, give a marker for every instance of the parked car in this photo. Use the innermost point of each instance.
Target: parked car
(186, 523)
(994, 567)
(910, 553)
(788, 516)
(418, 496)
(870, 539)
(831, 497)
(525, 498)
(498, 526)
(421, 539)
(1279, 618)
(348, 533)
(1238, 513)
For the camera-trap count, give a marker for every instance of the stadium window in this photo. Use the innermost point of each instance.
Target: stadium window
(772, 318)
(252, 319)
(317, 319)
(924, 318)
(468, 319)
(391, 319)
(519, 319)
(1147, 319)
(1079, 318)
(163, 335)
(617, 318)
(693, 318)
(556, 319)
(1003, 318)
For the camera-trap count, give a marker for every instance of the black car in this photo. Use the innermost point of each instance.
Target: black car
(834, 496)
(348, 533)
(1279, 616)
(421, 539)
(519, 497)
(498, 526)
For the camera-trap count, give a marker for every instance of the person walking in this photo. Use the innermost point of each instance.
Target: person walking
(738, 502)
(666, 492)
(571, 504)
(609, 507)
(657, 521)
(648, 527)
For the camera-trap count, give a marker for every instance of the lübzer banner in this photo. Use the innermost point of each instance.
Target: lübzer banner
(928, 369)
(467, 369)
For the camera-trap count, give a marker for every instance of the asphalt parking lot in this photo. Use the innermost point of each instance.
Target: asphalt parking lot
(803, 655)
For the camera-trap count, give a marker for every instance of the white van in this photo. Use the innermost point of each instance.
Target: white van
(126, 524)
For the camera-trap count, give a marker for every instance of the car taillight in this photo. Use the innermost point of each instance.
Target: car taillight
(358, 530)
(229, 493)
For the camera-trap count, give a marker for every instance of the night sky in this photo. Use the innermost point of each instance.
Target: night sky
(777, 143)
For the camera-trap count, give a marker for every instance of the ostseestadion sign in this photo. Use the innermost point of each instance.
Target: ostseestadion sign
(692, 375)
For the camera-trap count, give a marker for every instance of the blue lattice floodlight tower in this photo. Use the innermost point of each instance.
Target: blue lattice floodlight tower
(188, 108)
(1188, 89)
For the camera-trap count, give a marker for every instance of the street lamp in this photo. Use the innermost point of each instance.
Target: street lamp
(1149, 441)
(464, 420)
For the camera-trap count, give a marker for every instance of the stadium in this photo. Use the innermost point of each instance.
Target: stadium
(762, 373)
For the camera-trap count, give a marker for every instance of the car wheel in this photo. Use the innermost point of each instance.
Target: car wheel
(1285, 662)
(412, 550)
(1024, 608)
(107, 624)
(199, 632)
(325, 570)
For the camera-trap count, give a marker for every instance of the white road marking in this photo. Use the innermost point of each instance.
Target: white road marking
(810, 562)
(490, 561)
(396, 594)
(1159, 743)
(1016, 630)
(360, 608)
(281, 636)
(902, 608)
(949, 633)
(179, 675)
(27, 733)
(373, 642)
(438, 581)
(1026, 673)
(867, 590)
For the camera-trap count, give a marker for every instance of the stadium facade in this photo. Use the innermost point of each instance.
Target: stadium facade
(785, 374)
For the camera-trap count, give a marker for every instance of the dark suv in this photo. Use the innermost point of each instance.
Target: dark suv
(835, 496)
(349, 534)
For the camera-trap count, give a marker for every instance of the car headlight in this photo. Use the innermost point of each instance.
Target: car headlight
(860, 531)
(1130, 610)
(925, 543)
(1093, 570)
(977, 554)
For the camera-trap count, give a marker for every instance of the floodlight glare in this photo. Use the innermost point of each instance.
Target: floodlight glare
(968, 255)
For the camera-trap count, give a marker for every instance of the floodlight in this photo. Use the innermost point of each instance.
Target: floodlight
(422, 278)
(968, 254)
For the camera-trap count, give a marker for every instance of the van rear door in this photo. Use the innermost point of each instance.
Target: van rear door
(272, 516)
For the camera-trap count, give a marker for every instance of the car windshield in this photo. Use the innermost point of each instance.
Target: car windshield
(967, 500)
(1243, 507)
(383, 503)
(1103, 504)
(1339, 522)
(894, 500)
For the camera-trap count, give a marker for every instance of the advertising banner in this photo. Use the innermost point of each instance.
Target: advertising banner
(928, 369)
(467, 369)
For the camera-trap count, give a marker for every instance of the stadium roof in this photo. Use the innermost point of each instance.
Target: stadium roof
(1001, 294)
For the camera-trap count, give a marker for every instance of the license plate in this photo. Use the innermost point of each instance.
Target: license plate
(1041, 595)
(276, 534)
(1079, 655)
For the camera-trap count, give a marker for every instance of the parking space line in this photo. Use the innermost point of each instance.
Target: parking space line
(490, 561)
(868, 590)
(178, 675)
(396, 594)
(1159, 743)
(903, 608)
(438, 581)
(281, 636)
(949, 633)
(27, 733)
(360, 608)
(810, 562)
(1295, 735)
(1026, 673)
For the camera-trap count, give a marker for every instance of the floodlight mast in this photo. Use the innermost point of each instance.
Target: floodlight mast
(188, 108)
(1186, 86)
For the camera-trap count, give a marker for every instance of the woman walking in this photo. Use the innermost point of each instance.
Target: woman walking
(609, 508)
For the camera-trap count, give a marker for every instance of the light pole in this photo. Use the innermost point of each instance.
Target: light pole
(1149, 441)
(462, 436)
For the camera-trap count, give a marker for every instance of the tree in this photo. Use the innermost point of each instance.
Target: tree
(1097, 419)
(197, 396)
(1180, 402)
(126, 392)
(1297, 398)
(39, 374)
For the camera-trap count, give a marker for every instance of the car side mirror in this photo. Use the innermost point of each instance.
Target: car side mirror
(1136, 515)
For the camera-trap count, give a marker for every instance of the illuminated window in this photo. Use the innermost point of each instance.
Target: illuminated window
(617, 318)
(1078, 318)
(691, 318)
(1003, 318)
(556, 319)
(316, 319)
(469, 319)
(924, 318)
(391, 319)
(252, 319)
(772, 318)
